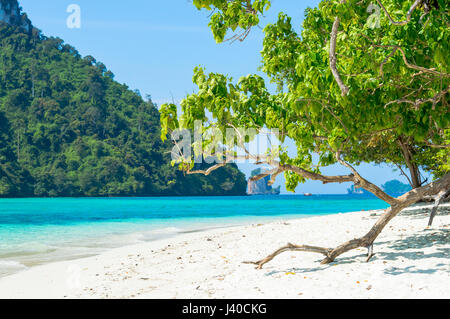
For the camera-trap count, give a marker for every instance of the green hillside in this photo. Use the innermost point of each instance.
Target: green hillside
(68, 129)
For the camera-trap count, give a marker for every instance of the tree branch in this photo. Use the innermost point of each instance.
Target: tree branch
(405, 60)
(404, 174)
(362, 182)
(290, 247)
(333, 38)
(330, 110)
(436, 145)
(276, 171)
(385, 61)
(408, 15)
(304, 173)
(434, 100)
(408, 156)
(208, 171)
(318, 177)
(438, 201)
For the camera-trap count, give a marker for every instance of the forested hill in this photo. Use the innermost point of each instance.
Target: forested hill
(68, 129)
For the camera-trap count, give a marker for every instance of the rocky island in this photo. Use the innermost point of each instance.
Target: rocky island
(261, 187)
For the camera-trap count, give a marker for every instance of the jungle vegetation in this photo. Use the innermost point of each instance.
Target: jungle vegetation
(364, 81)
(67, 128)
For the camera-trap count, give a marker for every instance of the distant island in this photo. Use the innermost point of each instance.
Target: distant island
(261, 187)
(393, 188)
(67, 128)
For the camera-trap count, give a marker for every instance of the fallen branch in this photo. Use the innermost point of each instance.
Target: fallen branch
(368, 240)
(290, 247)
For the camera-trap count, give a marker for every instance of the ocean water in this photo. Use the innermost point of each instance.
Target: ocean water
(39, 231)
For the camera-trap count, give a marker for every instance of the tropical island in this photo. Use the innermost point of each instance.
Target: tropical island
(393, 187)
(353, 82)
(68, 129)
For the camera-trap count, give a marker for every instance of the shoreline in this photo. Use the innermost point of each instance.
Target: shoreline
(208, 264)
(91, 228)
(25, 261)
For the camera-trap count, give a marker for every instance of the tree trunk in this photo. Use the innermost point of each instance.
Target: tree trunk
(438, 201)
(32, 86)
(18, 146)
(413, 168)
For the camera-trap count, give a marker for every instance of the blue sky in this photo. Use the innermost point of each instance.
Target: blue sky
(153, 46)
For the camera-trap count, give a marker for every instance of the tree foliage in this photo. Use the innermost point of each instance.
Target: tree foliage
(392, 104)
(360, 83)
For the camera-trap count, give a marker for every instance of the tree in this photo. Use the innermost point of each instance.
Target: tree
(355, 86)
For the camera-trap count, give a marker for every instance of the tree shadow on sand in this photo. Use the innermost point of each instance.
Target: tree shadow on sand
(429, 238)
(341, 261)
(425, 212)
(410, 248)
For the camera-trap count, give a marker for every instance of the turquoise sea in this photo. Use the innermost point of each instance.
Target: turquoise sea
(38, 231)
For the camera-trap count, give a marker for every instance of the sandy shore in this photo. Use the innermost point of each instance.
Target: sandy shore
(411, 261)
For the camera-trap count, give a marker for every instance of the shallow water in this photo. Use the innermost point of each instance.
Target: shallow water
(39, 231)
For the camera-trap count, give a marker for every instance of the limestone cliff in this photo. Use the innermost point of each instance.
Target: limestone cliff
(261, 187)
(11, 13)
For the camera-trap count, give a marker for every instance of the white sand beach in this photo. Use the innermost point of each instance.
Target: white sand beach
(411, 261)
